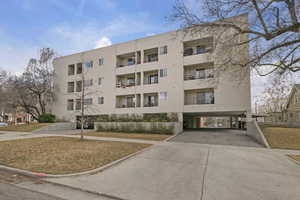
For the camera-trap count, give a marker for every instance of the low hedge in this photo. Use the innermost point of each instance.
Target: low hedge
(128, 128)
(147, 117)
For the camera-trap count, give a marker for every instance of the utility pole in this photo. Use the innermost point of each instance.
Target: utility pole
(82, 105)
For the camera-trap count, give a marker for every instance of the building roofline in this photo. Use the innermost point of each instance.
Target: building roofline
(142, 38)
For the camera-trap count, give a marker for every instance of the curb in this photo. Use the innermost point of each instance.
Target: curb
(84, 190)
(93, 171)
(293, 160)
(171, 137)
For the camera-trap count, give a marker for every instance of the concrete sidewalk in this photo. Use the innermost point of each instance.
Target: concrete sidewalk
(194, 171)
(5, 136)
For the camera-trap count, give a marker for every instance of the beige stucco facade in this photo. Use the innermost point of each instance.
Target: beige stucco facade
(177, 70)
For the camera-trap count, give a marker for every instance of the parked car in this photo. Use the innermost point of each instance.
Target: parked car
(3, 124)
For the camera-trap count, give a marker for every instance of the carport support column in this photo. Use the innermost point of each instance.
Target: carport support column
(180, 120)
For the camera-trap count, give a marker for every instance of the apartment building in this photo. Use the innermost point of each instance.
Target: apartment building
(173, 72)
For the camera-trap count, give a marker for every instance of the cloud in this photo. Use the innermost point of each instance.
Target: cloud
(15, 53)
(69, 38)
(103, 42)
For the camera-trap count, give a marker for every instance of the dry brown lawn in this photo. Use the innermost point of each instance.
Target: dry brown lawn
(283, 138)
(295, 157)
(24, 127)
(142, 136)
(61, 155)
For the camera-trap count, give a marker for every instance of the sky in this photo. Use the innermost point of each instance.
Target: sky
(70, 26)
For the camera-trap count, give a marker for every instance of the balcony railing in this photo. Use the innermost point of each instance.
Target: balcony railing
(120, 85)
(151, 80)
(151, 104)
(191, 51)
(130, 63)
(194, 77)
(126, 105)
(151, 58)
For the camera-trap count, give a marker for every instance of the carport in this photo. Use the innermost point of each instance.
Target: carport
(222, 128)
(222, 120)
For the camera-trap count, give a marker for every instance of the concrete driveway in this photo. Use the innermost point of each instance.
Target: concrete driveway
(190, 171)
(217, 136)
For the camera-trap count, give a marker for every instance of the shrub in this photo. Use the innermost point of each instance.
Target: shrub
(103, 118)
(47, 118)
(147, 117)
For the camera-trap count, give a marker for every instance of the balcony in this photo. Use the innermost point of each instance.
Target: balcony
(128, 80)
(199, 96)
(128, 101)
(151, 77)
(151, 100)
(129, 59)
(198, 71)
(151, 55)
(200, 46)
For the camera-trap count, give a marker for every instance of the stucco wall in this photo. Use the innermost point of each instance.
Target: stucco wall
(255, 132)
(230, 94)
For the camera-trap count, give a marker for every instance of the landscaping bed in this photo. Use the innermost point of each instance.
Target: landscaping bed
(61, 155)
(282, 138)
(24, 127)
(142, 136)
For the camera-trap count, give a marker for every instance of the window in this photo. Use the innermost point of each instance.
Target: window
(79, 68)
(71, 86)
(151, 101)
(205, 97)
(89, 64)
(130, 61)
(201, 49)
(163, 95)
(78, 104)
(78, 86)
(130, 102)
(88, 101)
(101, 61)
(163, 50)
(70, 104)
(152, 79)
(152, 57)
(100, 100)
(209, 73)
(130, 81)
(163, 72)
(88, 83)
(188, 52)
(200, 73)
(71, 70)
(99, 81)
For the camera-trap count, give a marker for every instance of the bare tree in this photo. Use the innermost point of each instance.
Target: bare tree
(271, 31)
(275, 95)
(33, 90)
(3, 95)
(84, 92)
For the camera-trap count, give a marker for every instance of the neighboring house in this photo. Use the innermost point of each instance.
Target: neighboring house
(16, 117)
(292, 112)
(164, 73)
